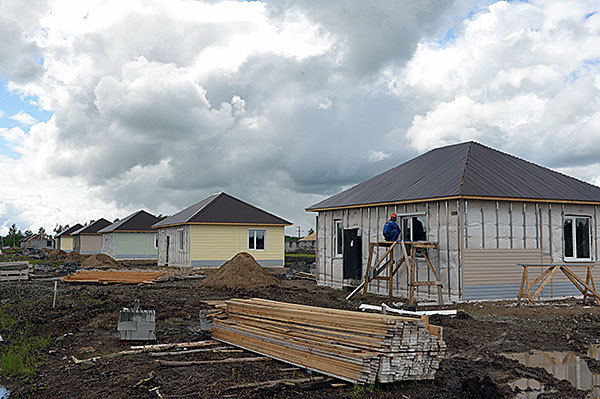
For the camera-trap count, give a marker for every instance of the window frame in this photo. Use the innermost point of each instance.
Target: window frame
(180, 239)
(155, 240)
(411, 230)
(338, 239)
(573, 219)
(254, 239)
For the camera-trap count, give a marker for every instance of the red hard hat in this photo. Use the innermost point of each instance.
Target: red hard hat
(393, 216)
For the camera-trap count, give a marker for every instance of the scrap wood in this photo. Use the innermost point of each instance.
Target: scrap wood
(220, 349)
(135, 350)
(306, 276)
(112, 276)
(143, 381)
(272, 383)
(386, 308)
(172, 363)
(353, 346)
(196, 344)
(156, 391)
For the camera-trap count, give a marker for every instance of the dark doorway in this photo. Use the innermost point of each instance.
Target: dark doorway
(167, 252)
(352, 254)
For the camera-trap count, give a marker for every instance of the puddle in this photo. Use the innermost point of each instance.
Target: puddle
(563, 366)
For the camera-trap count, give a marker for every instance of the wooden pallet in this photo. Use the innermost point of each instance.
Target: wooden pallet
(353, 346)
(11, 271)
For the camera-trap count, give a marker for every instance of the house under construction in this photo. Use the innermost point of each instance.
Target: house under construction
(488, 211)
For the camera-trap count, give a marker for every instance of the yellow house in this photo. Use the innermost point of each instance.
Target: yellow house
(212, 231)
(65, 239)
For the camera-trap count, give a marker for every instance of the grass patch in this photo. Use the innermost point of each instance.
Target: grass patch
(22, 351)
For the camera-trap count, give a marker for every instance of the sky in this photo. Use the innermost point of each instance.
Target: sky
(108, 107)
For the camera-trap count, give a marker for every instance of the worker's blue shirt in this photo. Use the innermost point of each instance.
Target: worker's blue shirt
(391, 231)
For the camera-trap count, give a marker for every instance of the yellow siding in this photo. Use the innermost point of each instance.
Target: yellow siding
(214, 242)
(66, 243)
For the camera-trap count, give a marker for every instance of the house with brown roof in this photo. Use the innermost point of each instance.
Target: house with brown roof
(214, 230)
(487, 210)
(65, 239)
(131, 238)
(88, 240)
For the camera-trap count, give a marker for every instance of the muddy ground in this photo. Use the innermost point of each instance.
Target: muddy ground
(83, 325)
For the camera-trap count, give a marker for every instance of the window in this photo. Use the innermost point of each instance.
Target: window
(576, 235)
(180, 239)
(156, 240)
(48, 243)
(256, 239)
(339, 238)
(412, 229)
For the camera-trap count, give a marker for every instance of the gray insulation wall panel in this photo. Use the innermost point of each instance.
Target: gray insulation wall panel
(176, 256)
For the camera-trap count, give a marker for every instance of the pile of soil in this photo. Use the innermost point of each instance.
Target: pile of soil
(57, 254)
(75, 257)
(101, 261)
(242, 271)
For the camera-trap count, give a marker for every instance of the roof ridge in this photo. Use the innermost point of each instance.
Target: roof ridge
(462, 178)
(216, 195)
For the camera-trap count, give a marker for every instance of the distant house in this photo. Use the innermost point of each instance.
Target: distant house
(38, 241)
(131, 237)
(291, 244)
(308, 243)
(488, 211)
(64, 240)
(212, 231)
(87, 240)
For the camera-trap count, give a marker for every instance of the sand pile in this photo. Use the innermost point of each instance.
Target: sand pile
(101, 261)
(75, 257)
(242, 271)
(57, 254)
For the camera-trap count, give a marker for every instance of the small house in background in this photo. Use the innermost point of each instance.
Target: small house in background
(88, 240)
(212, 231)
(487, 210)
(38, 241)
(291, 244)
(308, 243)
(64, 240)
(131, 238)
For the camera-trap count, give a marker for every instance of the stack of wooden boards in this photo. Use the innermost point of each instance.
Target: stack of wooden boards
(14, 271)
(112, 276)
(353, 346)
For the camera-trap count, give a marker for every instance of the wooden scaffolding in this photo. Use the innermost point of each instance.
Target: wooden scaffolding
(408, 258)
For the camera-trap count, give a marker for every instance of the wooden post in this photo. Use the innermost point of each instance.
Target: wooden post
(391, 275)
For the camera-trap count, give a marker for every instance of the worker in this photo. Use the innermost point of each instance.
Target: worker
(391, 230)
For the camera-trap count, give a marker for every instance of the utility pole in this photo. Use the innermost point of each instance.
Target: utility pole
(298, 231)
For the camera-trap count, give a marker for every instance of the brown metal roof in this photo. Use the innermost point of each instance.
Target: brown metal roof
(222, 208)
(465, 169)
(138, 221)
(92, 228)
(70, 230)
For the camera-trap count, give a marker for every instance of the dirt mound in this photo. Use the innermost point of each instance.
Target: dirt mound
(75, 257)
(242, 271)
(57, 254)
(101, 261)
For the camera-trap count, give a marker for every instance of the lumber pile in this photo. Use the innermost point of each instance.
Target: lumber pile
(14, 271)
(112, 276)
(353, 346)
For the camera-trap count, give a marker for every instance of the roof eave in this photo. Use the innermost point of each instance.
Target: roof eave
(221, 224)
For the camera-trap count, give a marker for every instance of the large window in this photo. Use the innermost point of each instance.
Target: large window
(180, 239)
(576, 233)
(412, 228)
(339, 238)
(256, 239)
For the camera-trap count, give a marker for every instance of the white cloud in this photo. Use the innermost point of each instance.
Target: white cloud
(23, 118)
(376, 156)
(280, 103)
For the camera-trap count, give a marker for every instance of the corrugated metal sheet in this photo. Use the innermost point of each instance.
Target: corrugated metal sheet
(222, 208)
(138, 221)
(467, 169)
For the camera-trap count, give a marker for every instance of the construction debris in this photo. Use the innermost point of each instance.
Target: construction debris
(272, 383)
(14, 271)
(173, 363)
(112, 276)
(136, 324)
(242, 271)
(352, 346)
